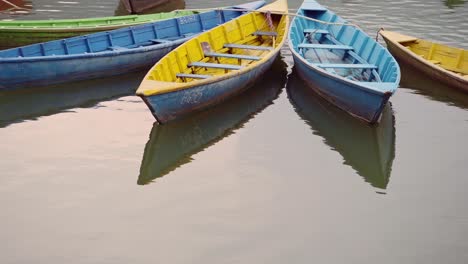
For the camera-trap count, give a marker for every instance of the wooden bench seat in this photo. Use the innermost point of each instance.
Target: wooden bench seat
(345, 66)
(251, 47)
(232, 56)
(215, 65)
(193, 76)
(316, 31)
(324, 46)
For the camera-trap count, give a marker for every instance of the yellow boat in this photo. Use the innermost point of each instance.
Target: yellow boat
(216, 64)
(447, 65)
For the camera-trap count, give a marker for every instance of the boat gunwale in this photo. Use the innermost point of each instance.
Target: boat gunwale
(419, 59)
(105, 53)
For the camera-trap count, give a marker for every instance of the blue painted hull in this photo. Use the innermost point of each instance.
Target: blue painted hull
(105, 54)
(362, 103)
(32, 73)
(173, 105)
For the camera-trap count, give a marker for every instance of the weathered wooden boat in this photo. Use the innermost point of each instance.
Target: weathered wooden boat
(126, 7)
(105, 53)
(14, 6)
(216, 64)
(173, 144)
(442, 63)
(341, 62)
(25, 105)
(138, 6)
(369, 150)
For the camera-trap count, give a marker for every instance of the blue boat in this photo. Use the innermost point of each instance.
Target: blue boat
(106, 53)
(341, 62)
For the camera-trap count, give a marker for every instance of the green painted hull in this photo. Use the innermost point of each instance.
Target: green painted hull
(25, 32)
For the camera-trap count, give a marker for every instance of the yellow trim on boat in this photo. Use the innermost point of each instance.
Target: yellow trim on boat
(449, 58)
(223, 52)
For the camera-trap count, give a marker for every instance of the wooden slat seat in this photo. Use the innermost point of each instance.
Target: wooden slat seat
(193, 76)
(251, 47)
(316, 31)
(232, 56)
(324, 46)
(215, 65)
(383, 86)
(265, 33)
(345, 66)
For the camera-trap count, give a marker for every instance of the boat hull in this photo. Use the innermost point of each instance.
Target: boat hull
(138, 6)
(169, 106)
(443, 77)
(33, 73)
(22, 33)
(360, 102)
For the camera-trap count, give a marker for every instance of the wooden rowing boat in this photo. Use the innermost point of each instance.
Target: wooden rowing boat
(138, 6)
(105, 53)
(216, 64)
(341, 62)
(369, 150)
(173, 144)
(13, 6)
(124, 8)
(25, 32)
(444, 64)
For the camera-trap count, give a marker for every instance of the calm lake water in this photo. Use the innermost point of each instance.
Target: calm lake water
(276, 175)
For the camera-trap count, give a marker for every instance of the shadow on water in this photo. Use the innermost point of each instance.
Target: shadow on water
(126, 7)
(369, 150)
(454, 3)
(171, 145)
(20, 106)
(413, 79)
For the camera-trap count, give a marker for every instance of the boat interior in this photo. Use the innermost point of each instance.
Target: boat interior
(160, 32)
(449, 58)
(228, 48)
(341, 49)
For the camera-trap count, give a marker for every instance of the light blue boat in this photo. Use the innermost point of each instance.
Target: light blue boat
(341, 62)
(106, 53)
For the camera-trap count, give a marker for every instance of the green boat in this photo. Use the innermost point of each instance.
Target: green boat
(25, 32)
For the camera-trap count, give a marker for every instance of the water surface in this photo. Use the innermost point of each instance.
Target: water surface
(276, 175)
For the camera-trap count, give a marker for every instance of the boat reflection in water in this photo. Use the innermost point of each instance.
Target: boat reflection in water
(369, 150)
(127, 7)
(413, 79)
(29, 105)
(171, 145)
